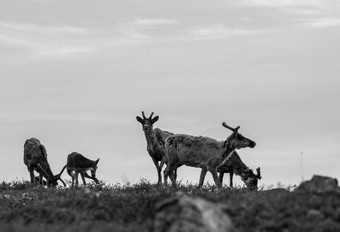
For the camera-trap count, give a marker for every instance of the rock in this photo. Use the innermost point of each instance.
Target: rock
(314, 215)
(191, 214)
(319, 184)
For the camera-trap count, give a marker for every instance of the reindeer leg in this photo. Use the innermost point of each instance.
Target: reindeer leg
(216, 179)
(83, 178)
(158, 171)
(41, 181)
(221, 177)
(231, 178)
(165, 176)
(169, 172)
(90, 177)
(172, 178)
(161, 167)
(76, 177)
(69, 172)
(32, 175)
(202, 176)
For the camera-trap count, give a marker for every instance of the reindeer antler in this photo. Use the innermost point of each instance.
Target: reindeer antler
(258, 171)
(58, 177)
(230, 128)
(149, 116)
(143, 115)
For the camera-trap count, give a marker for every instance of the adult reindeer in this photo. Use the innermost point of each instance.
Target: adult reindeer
(77, 163)
(155, 141)
(202, 152)
(35, 158)
(233, 164)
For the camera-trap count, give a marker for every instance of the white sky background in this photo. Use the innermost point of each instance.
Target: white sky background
(75, 74)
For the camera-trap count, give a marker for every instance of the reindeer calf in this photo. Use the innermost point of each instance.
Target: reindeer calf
(77, 163)
(233, 164)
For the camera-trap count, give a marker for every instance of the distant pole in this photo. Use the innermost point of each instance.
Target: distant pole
(301, 165)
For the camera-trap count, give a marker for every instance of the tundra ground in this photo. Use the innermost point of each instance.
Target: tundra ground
(103, 207)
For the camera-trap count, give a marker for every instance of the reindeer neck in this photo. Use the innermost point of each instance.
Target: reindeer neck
(239, 167)
(150, 138)
(46, 172)
(228, 149)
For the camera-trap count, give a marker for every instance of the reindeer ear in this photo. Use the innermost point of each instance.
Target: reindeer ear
(97, 161)
(139, 119)
(155, 119)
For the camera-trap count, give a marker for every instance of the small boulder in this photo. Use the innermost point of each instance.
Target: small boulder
(191, 214)
(319, 184)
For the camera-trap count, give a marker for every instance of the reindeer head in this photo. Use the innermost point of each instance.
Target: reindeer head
(147, 123)
(250, 179)
(45, 170)
(236, 140)
(94, 170)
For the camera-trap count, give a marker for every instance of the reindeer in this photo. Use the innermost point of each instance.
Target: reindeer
(202, 152)
(155, 140)
(233, 164)
(35, 158)
(77, 163)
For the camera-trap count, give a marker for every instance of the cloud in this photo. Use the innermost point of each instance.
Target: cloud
(154, 21)
(148, 29)
(303, 7)
(42, 40)
(282, 3)
(321, 22)
(290, 13)
(43, 29)
(65, 41)
(217, 31)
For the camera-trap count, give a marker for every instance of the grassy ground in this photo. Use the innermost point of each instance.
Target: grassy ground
(24, 207)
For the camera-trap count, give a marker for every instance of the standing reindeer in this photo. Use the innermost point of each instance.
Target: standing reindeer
(35, 158)
(202, 152)
(155, 140)
(233, 164)
(77, 163)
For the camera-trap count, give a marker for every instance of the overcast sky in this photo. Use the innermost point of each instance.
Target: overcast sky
(75, 74)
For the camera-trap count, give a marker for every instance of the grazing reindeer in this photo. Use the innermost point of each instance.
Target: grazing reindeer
(35, 158)
(155, 140)
(233, 164)
(202, 152)
(77, 163)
